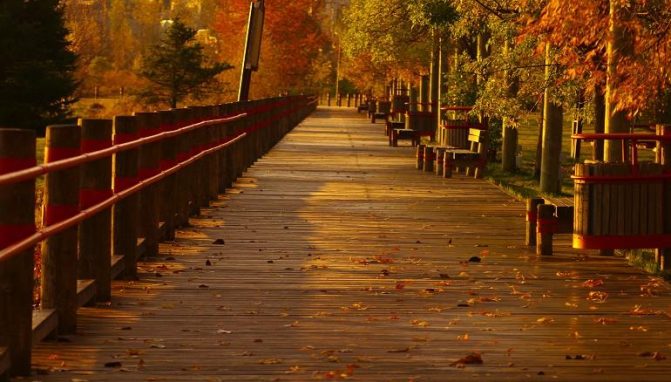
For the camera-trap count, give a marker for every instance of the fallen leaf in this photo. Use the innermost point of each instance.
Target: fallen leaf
(294, 370)
(545, 320)
(219, 242)
(402, 350)
(113, 364)
(597, 297)
(474, 259)
(592, 283)
(222, 331)
(605, 320)
(471, 359)
(270, 361)
(420, 323)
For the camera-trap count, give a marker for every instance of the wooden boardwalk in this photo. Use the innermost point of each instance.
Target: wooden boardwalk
(341, 261)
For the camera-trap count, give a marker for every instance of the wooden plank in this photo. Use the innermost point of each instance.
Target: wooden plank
(45, 322)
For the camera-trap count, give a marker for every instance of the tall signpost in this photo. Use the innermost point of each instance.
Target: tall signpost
(250, 60)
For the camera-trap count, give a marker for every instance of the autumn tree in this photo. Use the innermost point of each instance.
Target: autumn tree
(36, 83)
(294, 51)
(176, 66)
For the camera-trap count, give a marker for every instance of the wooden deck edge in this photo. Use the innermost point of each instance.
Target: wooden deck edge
(4, 364)
(118, 266)
(45, 322)
(86, 292)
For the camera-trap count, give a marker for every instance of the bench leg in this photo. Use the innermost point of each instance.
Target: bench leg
(477, 172)
(394, 139)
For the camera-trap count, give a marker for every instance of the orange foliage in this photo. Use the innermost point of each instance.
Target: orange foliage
(579, 31)
(292, 43)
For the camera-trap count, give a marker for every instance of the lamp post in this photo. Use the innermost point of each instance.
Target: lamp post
(250, 60)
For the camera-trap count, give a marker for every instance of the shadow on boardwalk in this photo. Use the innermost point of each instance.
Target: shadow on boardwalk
(343, 262)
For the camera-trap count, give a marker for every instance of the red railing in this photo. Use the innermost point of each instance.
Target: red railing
(214, 145)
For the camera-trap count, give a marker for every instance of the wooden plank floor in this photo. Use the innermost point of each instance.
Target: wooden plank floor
(341, 261)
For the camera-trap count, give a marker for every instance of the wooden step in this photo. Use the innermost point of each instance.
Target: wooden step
(45, 322)
(86, 292)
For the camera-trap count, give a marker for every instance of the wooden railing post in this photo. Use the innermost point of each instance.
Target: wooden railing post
(168, 205)
(59, 253)
(212, 135)
(196, 179)
(17, 221)
(125, 213)
(183, 188)
(149, 166)
(222, 131)
(95, 233)
(663, 255)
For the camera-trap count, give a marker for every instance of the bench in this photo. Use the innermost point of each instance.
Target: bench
(474, 160)
(417, 125)
(362, 107)
(382, 111)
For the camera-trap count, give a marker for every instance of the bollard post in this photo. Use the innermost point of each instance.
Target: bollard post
(95, 233)
(420, 157)
(429, 158)
(545, 229)
(125, 214)
(531, 218)
(59, 253)
(17, 222)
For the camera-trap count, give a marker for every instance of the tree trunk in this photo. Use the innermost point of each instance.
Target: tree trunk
(539, 144)
(599, 121)
(509, 142)
(552, 136)
(434, 72)
(618, 46)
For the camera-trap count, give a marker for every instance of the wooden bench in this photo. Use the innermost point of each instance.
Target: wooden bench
(474, 160)
(417, 125)
(382, 111)
(362, 107)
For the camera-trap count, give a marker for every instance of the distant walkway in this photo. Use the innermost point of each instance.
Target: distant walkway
(333, 259)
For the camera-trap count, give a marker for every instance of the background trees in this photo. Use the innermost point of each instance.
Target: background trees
(176, 67)
(36, 82)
